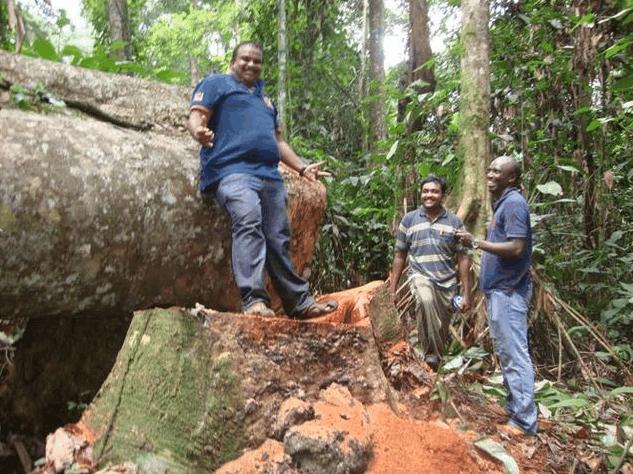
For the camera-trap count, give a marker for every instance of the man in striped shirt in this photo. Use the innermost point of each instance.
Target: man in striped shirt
(427, 237)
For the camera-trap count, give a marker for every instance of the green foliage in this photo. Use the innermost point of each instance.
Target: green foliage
(5, 35)
(202, 34)
(36, 99)
(97, 13)
(535, 115)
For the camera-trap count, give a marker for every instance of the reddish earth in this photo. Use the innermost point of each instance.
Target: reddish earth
(416, 434)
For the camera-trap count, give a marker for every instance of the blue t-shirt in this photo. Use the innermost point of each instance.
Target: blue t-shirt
(244, 124)
(511, 220)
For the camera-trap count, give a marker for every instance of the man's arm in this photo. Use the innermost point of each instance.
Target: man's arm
(292, 160)
(463, 269)
(512, 249)
(197, 125)
(399, 262)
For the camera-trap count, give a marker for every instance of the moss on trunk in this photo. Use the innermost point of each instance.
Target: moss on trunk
(170, 402)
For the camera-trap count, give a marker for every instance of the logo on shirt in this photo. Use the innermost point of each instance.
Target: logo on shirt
(198, 96)
(268, 102)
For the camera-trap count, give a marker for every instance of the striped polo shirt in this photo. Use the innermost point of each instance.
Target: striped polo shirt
(431, 245)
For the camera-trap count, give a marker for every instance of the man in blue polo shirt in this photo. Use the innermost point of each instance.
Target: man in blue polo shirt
(427, 237)
(236, 124)
(505, 281)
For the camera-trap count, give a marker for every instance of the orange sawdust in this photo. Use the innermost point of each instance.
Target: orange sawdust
(81, 430)
(263, 459)
(339, 411)
(408, 446)
(353, 305)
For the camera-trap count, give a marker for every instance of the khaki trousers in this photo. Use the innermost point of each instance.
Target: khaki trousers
(432, 313)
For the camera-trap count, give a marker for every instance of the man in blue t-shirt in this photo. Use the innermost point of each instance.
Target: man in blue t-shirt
(505, 281)
(236, 124)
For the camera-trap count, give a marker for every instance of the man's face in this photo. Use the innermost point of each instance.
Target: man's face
(500, 176)
(247, 65)
(432, 196)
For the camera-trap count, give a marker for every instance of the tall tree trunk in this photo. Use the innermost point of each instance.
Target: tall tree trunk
(362, 74)
(193, 61)
(419, 54)
(282, 58)
(119, 26)
(585, 41)
(419, 50)
(362, 81)
(193, 70)
(16, 23)
(377, 129)
(474, 145)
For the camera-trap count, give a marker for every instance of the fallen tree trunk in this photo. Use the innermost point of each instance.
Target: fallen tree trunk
(123, 100)
(98, 220)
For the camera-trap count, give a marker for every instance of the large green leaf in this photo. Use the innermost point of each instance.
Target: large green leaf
(621, 390)
(570, 403)
(392, 150)
(45, 49)
(551, 187)
(623, 84)
(497, 451)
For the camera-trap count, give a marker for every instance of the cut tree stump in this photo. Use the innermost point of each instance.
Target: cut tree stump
(190, 390)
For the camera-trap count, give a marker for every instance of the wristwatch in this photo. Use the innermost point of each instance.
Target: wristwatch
(475, 243)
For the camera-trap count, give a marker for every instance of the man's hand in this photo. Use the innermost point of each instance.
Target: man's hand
(203, 135)
(466, 238)
(197, 125)
(313, 171)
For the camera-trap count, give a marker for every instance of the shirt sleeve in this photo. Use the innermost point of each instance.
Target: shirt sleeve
(402, 242)
(517, 220)
(207, 92)
(275, 116)
(459, 248)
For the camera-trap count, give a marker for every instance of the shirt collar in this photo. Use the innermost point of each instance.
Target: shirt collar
(503, 196)
(259, 83)
(439, 216)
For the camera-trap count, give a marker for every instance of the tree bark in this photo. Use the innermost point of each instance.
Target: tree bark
(189, 391)
(419, 54)
(420, 49)
(119, 27)
(127, 101)
(585, 51)
(16, 23)
(99, 220)
(474, 144)
(282, 57)
(377, 126)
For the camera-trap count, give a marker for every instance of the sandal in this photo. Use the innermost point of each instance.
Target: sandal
(317, 309)
(259, 308)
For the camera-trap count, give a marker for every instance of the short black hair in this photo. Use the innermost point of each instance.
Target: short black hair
(252, 43)
(515, 167)
(434, 179)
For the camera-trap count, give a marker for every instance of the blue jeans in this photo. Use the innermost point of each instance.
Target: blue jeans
(507, 319)
(261, 240)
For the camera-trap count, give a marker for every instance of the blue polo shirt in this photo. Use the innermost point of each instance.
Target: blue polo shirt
(244, 124)
(511, 220)
(431, 245)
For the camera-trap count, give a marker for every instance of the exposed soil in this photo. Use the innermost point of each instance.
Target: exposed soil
(323, 404)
